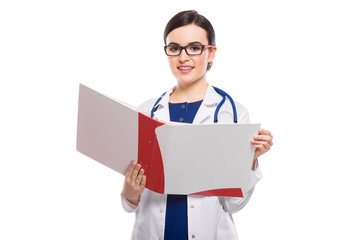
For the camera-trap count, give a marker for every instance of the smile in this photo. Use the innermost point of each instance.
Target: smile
(185, 69)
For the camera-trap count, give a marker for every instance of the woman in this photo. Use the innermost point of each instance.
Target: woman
(190, 47)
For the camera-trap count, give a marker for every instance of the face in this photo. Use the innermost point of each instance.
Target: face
(189, 69)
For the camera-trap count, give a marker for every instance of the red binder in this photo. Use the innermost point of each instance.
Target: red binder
(149, 155)
(114, 134)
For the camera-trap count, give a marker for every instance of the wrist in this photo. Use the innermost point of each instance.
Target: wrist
(254, 164)
(134, 200)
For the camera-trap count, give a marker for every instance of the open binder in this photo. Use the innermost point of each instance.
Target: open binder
(192, 159)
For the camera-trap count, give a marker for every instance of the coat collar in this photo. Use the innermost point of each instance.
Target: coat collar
(211, 100)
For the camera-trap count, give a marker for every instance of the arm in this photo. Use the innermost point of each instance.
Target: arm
(262, 142)
(233, 204)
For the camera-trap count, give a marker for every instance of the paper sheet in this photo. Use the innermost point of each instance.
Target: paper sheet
(203, 157)
(107, 130)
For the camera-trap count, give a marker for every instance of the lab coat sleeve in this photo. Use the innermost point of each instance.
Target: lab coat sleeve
(127, 206)
(232, 204)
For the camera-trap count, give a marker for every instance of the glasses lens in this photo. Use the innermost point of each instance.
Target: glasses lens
(172, 50)
(194, 49)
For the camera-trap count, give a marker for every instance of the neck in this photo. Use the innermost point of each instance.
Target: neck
(189, 92)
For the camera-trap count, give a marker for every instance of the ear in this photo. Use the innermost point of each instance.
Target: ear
(212, 53)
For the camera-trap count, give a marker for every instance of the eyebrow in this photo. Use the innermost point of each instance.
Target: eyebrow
(191, 43)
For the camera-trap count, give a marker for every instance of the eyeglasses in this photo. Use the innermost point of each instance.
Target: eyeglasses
(191, 50)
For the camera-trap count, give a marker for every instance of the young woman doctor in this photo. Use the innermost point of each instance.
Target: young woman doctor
(190, 46)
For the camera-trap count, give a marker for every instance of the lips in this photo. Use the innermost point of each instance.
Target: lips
(185, 68)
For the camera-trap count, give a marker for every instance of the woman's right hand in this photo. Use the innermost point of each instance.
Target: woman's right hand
(134, 183)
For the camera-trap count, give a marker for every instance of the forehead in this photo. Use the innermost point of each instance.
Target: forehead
(187, 34)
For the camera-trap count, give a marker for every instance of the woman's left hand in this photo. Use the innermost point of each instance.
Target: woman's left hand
(262, 142)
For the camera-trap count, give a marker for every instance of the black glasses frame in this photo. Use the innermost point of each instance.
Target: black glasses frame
(181, 48)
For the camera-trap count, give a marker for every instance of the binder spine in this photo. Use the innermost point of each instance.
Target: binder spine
(149, 155)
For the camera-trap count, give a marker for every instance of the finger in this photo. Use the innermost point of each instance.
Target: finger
(265, 132)
(135, 172)
(261, 144)
(259, 148)
(143, 181)
(264, 138)
(140, 175)
(130, 169)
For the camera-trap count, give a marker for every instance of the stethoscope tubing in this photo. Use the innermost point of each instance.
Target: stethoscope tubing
(224, 95)
(220, 92)
(156, 103)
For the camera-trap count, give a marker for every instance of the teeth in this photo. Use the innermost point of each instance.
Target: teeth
(185, 68)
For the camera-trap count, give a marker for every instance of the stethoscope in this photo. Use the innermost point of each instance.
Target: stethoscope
(219, 91)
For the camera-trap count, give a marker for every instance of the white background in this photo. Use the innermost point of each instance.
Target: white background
(293, 64)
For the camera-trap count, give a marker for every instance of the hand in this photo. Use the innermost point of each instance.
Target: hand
(262, 142)
(134, 183)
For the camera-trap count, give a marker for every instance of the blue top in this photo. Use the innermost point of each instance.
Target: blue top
(176, 227)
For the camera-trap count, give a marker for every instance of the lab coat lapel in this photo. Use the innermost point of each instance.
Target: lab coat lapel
(205, 112)
(207, 108)
(162, 112)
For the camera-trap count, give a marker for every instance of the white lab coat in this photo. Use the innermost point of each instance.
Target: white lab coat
(209, 217)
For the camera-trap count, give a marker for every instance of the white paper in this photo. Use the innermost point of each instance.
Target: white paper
(101, 134)
(204, 157)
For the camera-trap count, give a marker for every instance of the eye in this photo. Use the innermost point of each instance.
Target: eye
(195, 48)
(173, 48)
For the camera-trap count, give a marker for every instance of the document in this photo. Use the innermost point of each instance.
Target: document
(191, 159)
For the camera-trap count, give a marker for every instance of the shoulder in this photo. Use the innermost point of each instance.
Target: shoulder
(240, 107)
(227, 107)
(149, 104)
(242, 113)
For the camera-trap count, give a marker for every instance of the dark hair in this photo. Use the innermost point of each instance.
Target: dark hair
(188, 17)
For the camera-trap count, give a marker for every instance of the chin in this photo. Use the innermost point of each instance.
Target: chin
(186, 81)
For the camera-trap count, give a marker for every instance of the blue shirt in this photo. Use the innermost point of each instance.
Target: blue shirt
(176, 227)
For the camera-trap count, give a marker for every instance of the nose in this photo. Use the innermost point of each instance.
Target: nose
(183, 57)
